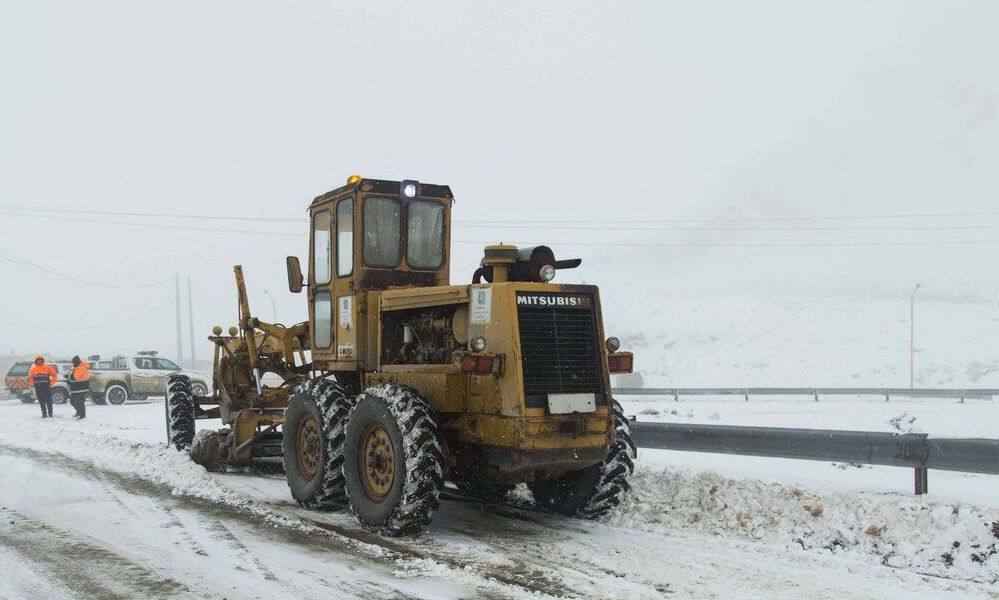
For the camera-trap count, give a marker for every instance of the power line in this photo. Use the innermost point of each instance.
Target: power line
(79, 328)
(147, 214)
(586, 243)
(730, 228)
(151, 225)
(83, 281)
(522, 223)
(764, 219)
(751, 245)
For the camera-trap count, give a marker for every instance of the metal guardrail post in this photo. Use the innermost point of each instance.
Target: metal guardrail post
(922, 480)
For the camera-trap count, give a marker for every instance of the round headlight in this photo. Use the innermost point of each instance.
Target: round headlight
(217, 330)
(409, 190)
(233, 331)
(547, 273)
(613, 344)
(478, 343)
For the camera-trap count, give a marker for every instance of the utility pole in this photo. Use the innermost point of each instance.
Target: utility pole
(273, 305)
(176, 289)
(912, 337)
(190, 317)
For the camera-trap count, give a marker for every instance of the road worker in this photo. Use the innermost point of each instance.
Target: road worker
(42, 376)
(79, 387)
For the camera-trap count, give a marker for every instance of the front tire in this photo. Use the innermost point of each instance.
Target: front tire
(393, 465)
(59, 396)
(199, 389)
(179, 407)
(594, 491)
(116, 394)
(312, 444)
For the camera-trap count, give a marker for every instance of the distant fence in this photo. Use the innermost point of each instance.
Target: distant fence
(914, 450)
(816, 393)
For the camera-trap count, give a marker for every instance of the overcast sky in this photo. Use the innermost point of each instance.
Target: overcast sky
(533, 112)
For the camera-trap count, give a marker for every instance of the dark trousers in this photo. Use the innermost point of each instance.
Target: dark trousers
(78, 392)
(44, 393)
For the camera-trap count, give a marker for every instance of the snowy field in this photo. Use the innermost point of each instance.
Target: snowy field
(759, 335)
(119, 515)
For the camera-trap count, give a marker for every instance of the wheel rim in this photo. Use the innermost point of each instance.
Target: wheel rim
(58, 397)
(377, 462)
(117, 395)
(309, 445)
(199, 390)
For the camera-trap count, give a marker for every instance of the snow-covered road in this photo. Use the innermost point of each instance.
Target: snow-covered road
(100, 509)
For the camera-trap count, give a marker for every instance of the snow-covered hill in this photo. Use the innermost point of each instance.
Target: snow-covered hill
(764, 336)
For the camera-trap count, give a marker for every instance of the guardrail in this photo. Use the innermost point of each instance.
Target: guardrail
(914, 450)
(886, 393)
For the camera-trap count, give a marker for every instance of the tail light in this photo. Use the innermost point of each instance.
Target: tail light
(481, 364)
(620, 362)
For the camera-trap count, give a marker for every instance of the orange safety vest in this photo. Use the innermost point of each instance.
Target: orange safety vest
(81, 372)
(42, 369)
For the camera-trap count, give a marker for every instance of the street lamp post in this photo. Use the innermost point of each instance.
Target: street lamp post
(912, 337)
(273, 304)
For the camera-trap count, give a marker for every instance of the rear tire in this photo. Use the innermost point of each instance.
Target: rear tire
(595, 491)
(393, 465)
(179, 407)
(116, 394)
(312, 444)
(59, 396)
(27, 399)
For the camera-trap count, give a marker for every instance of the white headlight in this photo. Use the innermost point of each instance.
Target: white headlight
(547, 272)
(409, 190)
(613, 344)
(478, 343)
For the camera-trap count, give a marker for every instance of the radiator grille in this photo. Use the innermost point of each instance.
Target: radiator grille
(559, 348)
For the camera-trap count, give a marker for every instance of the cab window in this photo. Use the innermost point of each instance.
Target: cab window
(166, 365)
(322, 248)
(425, 235)
(143, 363)
(345, 237)
(382, 226)
(322, 320)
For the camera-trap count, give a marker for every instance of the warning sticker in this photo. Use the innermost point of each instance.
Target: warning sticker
(481, 310)
(345, 352)
(346, 314)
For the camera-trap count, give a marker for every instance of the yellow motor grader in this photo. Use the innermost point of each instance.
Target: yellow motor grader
(400, 382)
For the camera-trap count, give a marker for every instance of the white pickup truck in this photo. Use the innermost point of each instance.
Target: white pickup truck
(137, 377)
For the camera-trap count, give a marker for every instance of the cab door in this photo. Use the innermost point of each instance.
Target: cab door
(345, 310)
(321, 281)
(144, 375)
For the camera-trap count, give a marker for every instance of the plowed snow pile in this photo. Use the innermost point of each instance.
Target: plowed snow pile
(949, 540)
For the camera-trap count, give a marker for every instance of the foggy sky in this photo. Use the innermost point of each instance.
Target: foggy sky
(532, 111)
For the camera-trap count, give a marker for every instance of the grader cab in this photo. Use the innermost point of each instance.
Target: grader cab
(400, 382)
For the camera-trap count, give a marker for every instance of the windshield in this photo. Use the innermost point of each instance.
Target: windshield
(425, 245)
(19, 369)
(382, 224)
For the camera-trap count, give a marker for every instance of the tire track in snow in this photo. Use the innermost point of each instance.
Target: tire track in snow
(300, 527)
(86, 570)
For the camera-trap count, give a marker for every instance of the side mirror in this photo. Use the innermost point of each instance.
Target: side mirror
(295, 280)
